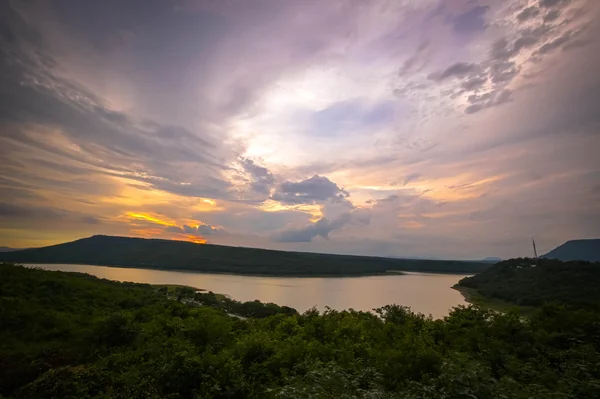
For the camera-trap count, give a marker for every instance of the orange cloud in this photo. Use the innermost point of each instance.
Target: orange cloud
(195, 239)
(147, 217)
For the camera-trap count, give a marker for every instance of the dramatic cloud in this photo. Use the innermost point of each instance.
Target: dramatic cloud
(202, 229)
(380, 127)
(460, 69)
(322, 228)
(528, 13)
(261, 180)
(310, 191)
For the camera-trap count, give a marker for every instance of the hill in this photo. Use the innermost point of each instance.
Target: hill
(182, 255)
(588, 250)
(531, 282)
(491, 259)
(71, 335)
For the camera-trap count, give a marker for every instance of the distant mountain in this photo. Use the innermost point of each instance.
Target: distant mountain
(182, 255)
(413, 257)
(8, 249)
(588, 250)
(491, 259)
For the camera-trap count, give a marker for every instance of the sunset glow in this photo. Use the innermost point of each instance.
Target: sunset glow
(389, 129)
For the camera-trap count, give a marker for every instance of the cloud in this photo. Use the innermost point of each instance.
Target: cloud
(503, 71)
(324, 226)
(136, 114)
(554, 44)
(261, 179)
(493, 99)
(411, 178)
(310, 191)
(460, 69)
(528, 13)
(552, 3)
(551, 15)
(202, 230)
(474, 82)
(471, 21)
(43, 215)
(90, 220)
(30, 212)
(337, 213)
(417, 61)
(529, 38)
(116, 142)
(306, 234)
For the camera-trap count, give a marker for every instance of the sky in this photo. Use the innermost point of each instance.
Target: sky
(454, 129)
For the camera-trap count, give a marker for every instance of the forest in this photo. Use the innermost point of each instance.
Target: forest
(71, 335)
(533, 282)
(182, 255)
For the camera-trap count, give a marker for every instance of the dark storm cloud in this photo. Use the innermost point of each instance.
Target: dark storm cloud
(556, 43)
(486, 84)
(310, 191)
(553, 3)
(323, 227)
(488, 100)
(474, 82)
(460, 69)
(261, 179)
(551, 15)
(337, 214)
(529, 38)
(201, 230)
(503, 71)
(528, 13)
(501, 50)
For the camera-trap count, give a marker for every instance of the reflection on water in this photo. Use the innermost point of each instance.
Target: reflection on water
(424, 293)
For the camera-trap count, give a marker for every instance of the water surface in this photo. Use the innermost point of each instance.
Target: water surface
(424, 293)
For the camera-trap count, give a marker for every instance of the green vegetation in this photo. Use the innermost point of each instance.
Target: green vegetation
(181, 255)
(473, 296)
(529, 282)
(70, 335)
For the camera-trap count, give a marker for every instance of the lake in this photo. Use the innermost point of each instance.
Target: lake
(423, 293)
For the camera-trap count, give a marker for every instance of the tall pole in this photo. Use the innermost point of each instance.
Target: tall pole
(534, 250)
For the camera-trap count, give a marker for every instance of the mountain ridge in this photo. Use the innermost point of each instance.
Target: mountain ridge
(583, 249)
(182, 255)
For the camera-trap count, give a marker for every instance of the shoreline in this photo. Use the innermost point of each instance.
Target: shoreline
(474, 297)
(311, 275)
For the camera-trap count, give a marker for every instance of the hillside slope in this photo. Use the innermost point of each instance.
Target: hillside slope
(181, 255)
(588, 250)
(71, 335)
(531, 282)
